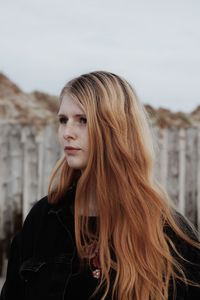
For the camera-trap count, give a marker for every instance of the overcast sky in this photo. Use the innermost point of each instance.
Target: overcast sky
(154, 44)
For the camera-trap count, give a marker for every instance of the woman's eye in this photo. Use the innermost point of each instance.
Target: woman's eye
(62, 120)
(83, 120)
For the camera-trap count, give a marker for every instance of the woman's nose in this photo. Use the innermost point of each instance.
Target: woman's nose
(69, 132)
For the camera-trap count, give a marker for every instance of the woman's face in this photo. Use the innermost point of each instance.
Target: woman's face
(73, 133)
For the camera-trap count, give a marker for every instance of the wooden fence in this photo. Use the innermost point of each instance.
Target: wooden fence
(28, 154)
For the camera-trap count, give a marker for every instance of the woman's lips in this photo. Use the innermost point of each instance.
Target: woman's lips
(71, 150)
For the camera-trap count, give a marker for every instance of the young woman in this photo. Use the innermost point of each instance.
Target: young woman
(105, 230)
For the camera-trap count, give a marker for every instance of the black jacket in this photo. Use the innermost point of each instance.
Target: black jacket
(43, 262)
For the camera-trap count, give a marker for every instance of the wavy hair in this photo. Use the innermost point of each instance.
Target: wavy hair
(132, 210)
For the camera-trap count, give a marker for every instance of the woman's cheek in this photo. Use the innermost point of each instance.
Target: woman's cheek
(60, 136)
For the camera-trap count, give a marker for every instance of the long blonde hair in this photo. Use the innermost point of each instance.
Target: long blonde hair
(131, 209)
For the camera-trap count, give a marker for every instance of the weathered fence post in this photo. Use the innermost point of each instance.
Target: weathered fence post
(182, 170)
(198, 179)
(30, 176)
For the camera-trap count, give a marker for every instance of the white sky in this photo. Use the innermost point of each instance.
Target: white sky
(154, 44)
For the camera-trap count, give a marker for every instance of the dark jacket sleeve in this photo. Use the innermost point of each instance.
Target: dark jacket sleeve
(21, 246)
(191, 261)
(12, 288)
(192, 265)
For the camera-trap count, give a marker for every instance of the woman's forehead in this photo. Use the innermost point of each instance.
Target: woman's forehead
(70, 106)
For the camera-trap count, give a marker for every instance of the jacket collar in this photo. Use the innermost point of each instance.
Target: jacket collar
(65, 203)
(64, 209)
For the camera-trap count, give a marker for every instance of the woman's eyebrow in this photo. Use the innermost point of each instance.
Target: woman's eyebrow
(77, 115)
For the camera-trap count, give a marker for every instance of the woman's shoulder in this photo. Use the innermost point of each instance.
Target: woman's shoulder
(38, 210)
(41, 208)
(190, 254)
(34, 220)
(185, 225)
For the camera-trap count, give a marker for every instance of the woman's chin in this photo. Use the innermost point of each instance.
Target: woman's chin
(76, 165)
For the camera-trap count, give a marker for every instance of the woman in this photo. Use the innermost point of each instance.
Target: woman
(105, 230)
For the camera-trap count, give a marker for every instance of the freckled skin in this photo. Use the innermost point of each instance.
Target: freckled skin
(73, 132)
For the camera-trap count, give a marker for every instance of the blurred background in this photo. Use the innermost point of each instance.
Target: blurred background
(154, 44)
